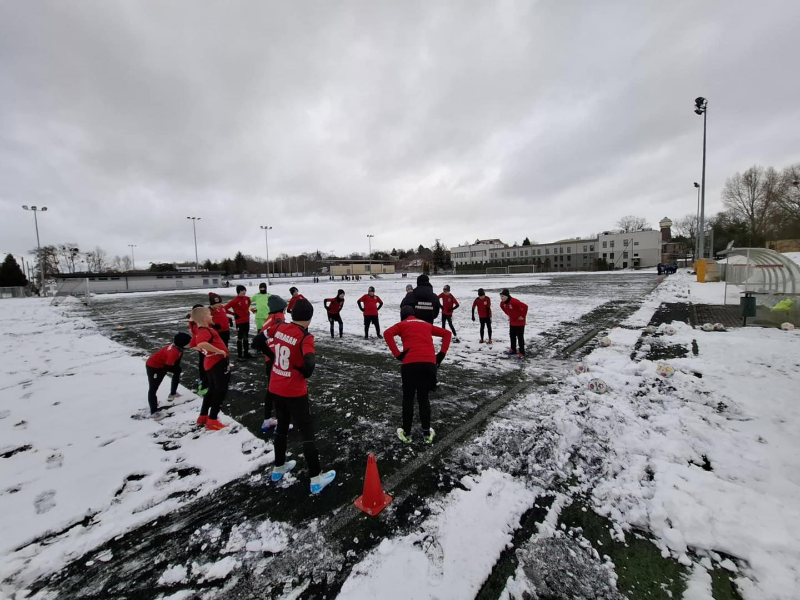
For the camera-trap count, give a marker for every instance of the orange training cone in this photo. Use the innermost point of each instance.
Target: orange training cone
(373, 500)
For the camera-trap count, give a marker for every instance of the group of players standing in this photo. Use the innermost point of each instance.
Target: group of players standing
(290, 356)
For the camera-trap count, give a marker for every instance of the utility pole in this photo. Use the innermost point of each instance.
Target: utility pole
(369, 241)
(701, 108)
(266, 229)
(194, 229)
(133, 257)
(43, 289)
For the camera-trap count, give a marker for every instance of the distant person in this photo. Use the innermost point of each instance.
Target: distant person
(220, 317)
(418, 371)
(277, 316)
(334, 306)
(261, 308)
(166, 360)
(484, 305)
(370, 304)
(660, 268)
(241, 309)
(423, 300)
(449, 304)
(295, 296)
(202, 378)
(517, 312)
(292, 349)
(215, 350)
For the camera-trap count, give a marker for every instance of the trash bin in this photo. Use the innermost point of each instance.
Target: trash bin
(748, 306)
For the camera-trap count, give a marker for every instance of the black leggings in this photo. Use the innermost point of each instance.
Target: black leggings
(297, 411)
(486, 322)
(337, 318)
(226, 336)
(218, 379)
(517, 334)
(448, 319)
(154, 379)
(268, 397)
(371, 320)
(201, 370)
(242, 340)
(417, 380)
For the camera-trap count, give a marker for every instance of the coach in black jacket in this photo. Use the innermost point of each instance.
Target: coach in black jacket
(423, 300)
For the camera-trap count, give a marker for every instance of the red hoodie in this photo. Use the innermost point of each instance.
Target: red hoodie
(241, 308)
(449, 304)
(370, 303)
(515, 309)
(417, 338)
(484, 306)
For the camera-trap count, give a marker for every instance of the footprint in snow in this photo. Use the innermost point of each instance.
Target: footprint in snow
(4, 414)
(21, 425)
(55, 460)
(44, 502)
(435, 553)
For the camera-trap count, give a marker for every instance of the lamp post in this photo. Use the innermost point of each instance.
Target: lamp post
(133, 258)
(701, 108)
(194, 229)
(266, 229)
(369, 241)
(38, 245)
(697, 220)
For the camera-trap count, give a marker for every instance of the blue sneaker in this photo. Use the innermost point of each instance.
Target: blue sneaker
(278, 472)
(268, 424)
(319, 482)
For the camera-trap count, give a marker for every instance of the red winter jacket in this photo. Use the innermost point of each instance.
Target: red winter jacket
(370, 303)
(449, 304)
(219, 317)
(241, 308)
(417, 338)
(168, 356)
(292, 301)
(484, 306)
(516, 311)
(333, 305)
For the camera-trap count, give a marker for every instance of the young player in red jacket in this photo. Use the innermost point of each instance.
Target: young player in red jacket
(292, 349)
(449, 304)
(202, 378)
(296, 295)
(240, 305)
(211, 345)
(418, 372)
(370, 304)
(517, 312)
(276, 316)
(219, 317)
(166, 360)
(484, 305)
(334, 308)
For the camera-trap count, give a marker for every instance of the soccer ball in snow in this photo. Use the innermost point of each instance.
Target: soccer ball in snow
(670, 330)
(665, 370)
(707, 327)
(606, 341)
(650, 329)
(579, 368)
(787, 326)
(598, 386)
(719, 327)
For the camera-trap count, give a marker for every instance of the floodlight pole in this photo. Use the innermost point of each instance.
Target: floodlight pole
(701, 108)
(194, 229)
(266, 229)
(133, 257)
(369, 241)
(43, 289)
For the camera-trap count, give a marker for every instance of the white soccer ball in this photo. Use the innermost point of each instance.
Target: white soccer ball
(598, 386)
(719, 327)
(579, 368)
(665, 370)
(650, 329)
(787, 326)
(707, 327)
(670, 330)
(606, 341)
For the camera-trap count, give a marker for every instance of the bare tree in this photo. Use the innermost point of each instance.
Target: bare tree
(67, 256)
(790, 201)
(127, 264)
(97, 260)
(630, 223)
(116, 263)
(754, 197)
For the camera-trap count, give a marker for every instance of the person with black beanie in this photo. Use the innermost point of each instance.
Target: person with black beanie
(484, 305)
(423, 300)
(334, 308)
(240, 305)
(202, 377)
(370, 304)
(166, 360)
(517, 312)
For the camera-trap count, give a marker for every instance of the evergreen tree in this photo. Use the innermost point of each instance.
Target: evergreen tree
(10, 273)
(526, 242)
(439, 255)
(239, 263)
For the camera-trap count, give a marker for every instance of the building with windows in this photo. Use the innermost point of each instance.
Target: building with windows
(145, 281)
(473, 254)
(632, 250)
(361, 267)
(575, 254)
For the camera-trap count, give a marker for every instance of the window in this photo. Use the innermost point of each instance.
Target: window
(205, 281)
(91, 279)
(591, 248)
(605, 244)
(612, 243)
(584, 248)
(635, 254)
(159, 277)
(539, 251)
(605, 255)
(569, 249)
(547, 250)
(115, 279)
(561, 250)
(102, 279)
(635, 243)
(215, 281)
(625, 254)
(612, 256)
(569, 257)
(625, 242)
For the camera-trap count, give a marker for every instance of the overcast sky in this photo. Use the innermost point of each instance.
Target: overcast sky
(407, 120)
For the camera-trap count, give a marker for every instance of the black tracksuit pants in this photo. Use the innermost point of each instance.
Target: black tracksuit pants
(418, 378)
(486, 322)
(372, 320)
(267, 396)
(517, 335)
(218, 380)
(297, 411)
(154, 379)
(226, 336)
(242, 340)
(337, 318)
(448, 319)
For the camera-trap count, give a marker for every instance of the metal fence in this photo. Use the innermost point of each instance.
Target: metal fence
(13, 292)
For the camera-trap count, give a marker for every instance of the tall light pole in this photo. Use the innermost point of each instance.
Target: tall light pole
(194, 228)
(38, 245)
(697, 220)
(701, 108)
(369, 241)
(266, 229)
(133, 258)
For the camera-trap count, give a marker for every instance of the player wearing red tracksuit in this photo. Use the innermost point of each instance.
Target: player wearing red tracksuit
(418, 372)
(211, 345)
(295, 296)
(517, 312)
(202, 378)
(292, 349)
(277, 316)
(334, 306)
(240, 306)
(484, 305)
(219, 316)
(370, 304)
(166, 360)
(449, 304)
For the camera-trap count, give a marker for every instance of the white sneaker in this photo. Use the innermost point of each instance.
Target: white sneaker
(429, 437)
(278, 472)
(269, 424)
(173, 396)
(319, 482)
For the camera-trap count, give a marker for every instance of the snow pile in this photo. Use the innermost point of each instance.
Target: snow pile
(793, 256)
(455, 549)
(80, 460)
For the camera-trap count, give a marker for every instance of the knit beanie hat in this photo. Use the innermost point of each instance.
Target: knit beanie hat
(262, 286)
(340, 292)
(505, 292)
(406, 311)
(302, 311)
(481, 292)
(447, 288)
(276, 304)
(182, 339)
(214, 298)
(371, 289)
(240, 288)
(423, 280)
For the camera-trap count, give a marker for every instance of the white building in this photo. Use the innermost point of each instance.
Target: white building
(566, 255)
(145, 281)
(636, 249)
(477, 253)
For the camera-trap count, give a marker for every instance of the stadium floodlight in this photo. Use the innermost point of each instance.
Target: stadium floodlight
(701, 108)
(194, 228)
(369, 241)
(266, 229)
(38, 245)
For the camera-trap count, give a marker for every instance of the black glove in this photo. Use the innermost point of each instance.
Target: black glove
(473, 318)
(402, 355)
(439, 358)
